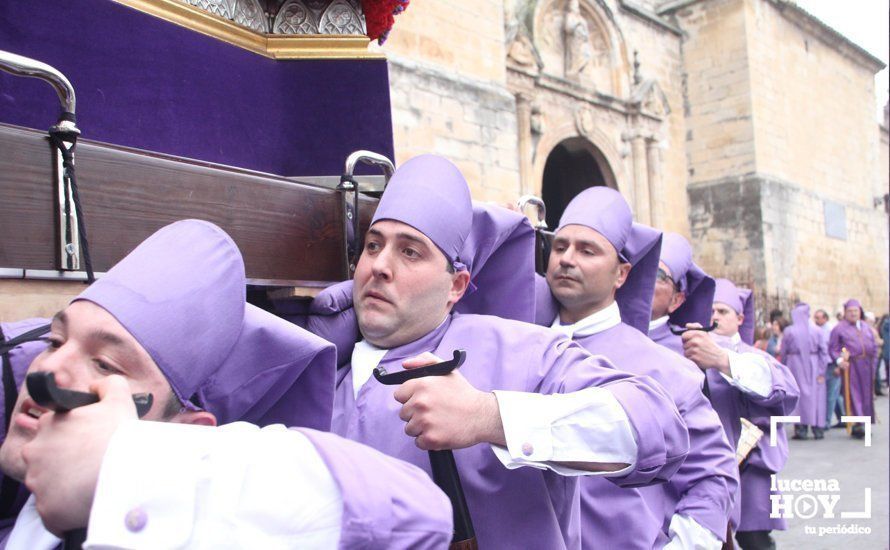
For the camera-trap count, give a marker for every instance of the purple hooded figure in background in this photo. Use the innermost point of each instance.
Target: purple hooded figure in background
(683, 293)
(805, 352)
(595, 236)
(746, 383)
(852, 347)
(519, 490)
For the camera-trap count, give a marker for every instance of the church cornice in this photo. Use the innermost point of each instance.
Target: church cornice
(267, 45)
(649, 16)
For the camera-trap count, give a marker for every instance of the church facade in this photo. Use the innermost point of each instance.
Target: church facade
(747, 125)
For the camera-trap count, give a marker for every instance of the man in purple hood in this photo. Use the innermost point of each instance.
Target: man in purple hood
(852, 347)
(805, 351)
(600, 277)
(683, 293)
(170, 319)
(529, 410)
(745, 382)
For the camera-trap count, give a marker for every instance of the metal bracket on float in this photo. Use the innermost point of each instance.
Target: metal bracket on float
(543, 237)
(350, 193)
(69, 249)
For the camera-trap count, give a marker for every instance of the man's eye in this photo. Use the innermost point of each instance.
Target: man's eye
(372, 247)
(411, 253)
(106, 368)
(53, 342)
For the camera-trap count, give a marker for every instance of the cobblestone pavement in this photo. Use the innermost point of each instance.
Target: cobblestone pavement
(856, 468)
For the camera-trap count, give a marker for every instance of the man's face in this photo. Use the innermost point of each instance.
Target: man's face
(821, 318)
(728, 321)
(85, 344)
(851, 314)
(667, 297)
(402, 289)
(583, 272)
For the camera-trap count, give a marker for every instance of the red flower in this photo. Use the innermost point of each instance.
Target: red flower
(379, 16)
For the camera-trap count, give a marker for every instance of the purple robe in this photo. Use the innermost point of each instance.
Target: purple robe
(509, 355)
(703, 487)
(386, 503)
(20, 358)
(752, 509)
(860, 343)
(805, 352)
(663, 336)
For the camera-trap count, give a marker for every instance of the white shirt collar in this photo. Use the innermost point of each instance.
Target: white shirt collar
(603, 319)
(365, 358)
(657, 323)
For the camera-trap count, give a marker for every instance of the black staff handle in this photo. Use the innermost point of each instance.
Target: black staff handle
(43, 390)
(706, 388)
(442, 463)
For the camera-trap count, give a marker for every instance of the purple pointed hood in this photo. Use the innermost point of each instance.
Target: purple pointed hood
(500, 254)
(741, 300)
(431, 195)
(800, 327)
(676, 253)
(605, 211)
(181, 294)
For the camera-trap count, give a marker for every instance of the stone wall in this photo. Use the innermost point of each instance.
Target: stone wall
(719, 139)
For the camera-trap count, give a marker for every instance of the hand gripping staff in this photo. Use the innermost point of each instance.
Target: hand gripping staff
(44, 391)
(442, 463)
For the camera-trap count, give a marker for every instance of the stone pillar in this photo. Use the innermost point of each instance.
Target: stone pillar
(524, 128)
(641, 180)
(656, 187)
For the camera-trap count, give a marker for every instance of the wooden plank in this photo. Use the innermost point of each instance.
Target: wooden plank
(287, 231)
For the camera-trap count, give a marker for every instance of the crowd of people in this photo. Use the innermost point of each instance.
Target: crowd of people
(616, 401)
(847, 354)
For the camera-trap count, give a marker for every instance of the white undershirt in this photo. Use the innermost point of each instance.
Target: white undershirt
(604, 319)
(657, 323)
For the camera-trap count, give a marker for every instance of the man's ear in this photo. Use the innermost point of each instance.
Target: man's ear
(741, 317)
(623, 272)
(459, 283)
(678, 300)
(199, 418)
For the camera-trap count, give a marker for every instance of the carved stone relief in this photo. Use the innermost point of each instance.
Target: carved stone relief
(332, 17)
(573, 43)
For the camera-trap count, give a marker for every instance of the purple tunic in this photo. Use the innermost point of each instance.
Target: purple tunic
(386, 503)
(752, 509)
(526, 507)
(663, 336)
(860, 343)
(704, 486)
(805, 352)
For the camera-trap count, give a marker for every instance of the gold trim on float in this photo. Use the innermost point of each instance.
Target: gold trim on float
(277, 46)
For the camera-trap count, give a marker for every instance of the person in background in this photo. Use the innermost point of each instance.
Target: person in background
(805, 352)
(853, 348)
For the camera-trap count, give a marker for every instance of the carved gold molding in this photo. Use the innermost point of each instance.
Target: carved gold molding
(272, 46)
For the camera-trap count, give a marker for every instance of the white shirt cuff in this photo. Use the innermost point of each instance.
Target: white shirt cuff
(587, 426)
(687, 534)
(750, 373)
(165, 485)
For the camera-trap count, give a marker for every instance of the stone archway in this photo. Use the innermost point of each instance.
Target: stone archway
(572, 166)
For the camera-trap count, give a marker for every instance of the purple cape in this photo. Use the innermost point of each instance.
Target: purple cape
(805, 352)
(386, 504)
(702, 489)
(181, 294)
(605, 211)
(741, 300)
(509, 355)
(751, 512)
(861, 345)
(676, 253)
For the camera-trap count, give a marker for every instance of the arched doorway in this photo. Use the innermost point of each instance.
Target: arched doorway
(572, 166)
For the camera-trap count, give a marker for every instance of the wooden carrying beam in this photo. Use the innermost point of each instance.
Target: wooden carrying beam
(290, 233)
